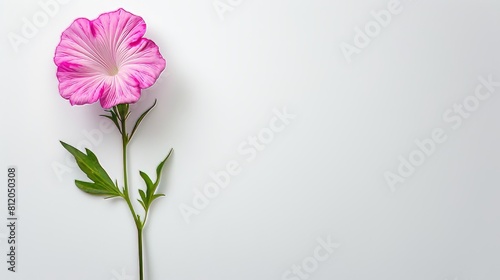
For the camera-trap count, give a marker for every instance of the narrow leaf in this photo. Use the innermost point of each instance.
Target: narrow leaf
(147, 180)
(155, 197)
(139, 120)
(114, 120)
(142, 203)
(95, 189)
(158, 195)
(160, 167)
(143, 195)
(150, 186)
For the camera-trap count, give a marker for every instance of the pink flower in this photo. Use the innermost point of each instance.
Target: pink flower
(107, 59)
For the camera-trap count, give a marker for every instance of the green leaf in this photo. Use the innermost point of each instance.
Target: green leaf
(160, 167)
(101, 182)
(91, 188)
(150, 195)
(143, 198)
(156, 196)
(113, 117)
(147, 180)
(139, 120)
(142, 203)
(143, 195)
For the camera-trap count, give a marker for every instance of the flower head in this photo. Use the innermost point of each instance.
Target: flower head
(107, 59)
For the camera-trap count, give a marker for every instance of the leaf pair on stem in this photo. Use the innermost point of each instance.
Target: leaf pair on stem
(101, 183)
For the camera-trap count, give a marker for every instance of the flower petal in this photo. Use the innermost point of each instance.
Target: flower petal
(78, 46)
(119, 30)
(77, 85)
(80, 64)
(121, 89)
(144, 62)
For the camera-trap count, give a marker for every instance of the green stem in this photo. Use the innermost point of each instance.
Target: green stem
(141, 263)
(126, 196)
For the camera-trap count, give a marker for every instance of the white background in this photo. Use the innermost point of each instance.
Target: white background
(323, 175)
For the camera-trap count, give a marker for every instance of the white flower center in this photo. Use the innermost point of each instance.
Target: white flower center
(113, 71)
